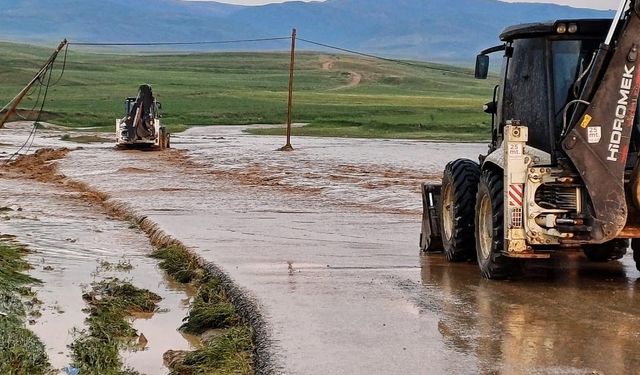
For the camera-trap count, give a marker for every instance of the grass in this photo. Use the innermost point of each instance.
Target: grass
(84, 139)
(227, 353)
(21, 351)
(392, 100)
(111, 303)
(180, 265)
(210, 309)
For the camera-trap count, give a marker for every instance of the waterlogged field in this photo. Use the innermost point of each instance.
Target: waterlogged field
(337, 95)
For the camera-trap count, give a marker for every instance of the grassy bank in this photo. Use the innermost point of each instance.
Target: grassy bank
(21, 352)
(227, 345)
(338, 95)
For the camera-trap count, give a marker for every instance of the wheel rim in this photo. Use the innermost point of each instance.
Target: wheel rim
(485, 227)
(447, 212)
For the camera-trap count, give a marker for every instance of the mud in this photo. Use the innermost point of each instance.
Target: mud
(320, 246)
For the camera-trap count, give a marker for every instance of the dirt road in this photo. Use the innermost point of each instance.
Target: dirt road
(354, 77)
(325, 241)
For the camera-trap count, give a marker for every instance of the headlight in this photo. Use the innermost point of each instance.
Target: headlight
(561, 28)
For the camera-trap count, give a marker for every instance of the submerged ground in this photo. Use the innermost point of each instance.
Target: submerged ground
(323, 243)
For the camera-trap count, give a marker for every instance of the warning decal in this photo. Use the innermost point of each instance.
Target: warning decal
(516, 195)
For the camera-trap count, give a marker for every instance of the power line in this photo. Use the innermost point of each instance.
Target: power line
(28, 143)
(134, 44)
(46, 74)
(401, 62)
(64, 66)
(255, 40)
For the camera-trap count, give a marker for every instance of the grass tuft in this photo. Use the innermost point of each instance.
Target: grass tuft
(229, 353)
(111, 302)
(21, 351)
(178, 263)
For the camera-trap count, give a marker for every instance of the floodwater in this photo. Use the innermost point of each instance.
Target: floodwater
(325, 239)
(75, 244)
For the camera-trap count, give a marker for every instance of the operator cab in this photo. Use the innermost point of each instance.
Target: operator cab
(543, 70)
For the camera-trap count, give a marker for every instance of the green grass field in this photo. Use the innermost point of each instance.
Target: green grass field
(390, 100)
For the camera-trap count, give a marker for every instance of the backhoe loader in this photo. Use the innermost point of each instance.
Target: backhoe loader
(562, 170)
(141, 127)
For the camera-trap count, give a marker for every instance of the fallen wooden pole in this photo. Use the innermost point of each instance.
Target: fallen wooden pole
(15, 102)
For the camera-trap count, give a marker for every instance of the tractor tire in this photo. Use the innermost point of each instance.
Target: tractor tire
(608, 251)
(489, 229)
(635, 245)
(459, 188)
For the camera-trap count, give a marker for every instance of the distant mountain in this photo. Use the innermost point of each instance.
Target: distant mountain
(442, 30)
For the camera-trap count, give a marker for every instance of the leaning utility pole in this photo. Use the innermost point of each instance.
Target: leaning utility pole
(13, 104)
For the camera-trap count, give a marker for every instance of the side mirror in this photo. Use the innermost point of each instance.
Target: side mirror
(482, 66)
(491, 108)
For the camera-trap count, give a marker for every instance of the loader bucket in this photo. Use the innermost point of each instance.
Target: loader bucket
(430, 238)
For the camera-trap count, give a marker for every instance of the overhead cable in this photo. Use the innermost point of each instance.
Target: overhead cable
(134, 44)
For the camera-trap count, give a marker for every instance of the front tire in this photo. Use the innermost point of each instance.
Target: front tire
(608, 251)
(459, 188)
(489, 229)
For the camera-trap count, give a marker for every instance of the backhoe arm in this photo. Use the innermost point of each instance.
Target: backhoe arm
(597, 143)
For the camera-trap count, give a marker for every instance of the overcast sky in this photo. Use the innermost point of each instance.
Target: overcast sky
(598, 4)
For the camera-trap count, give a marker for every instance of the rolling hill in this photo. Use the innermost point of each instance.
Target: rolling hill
(440, 30)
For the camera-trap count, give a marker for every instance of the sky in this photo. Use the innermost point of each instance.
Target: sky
(597, 4)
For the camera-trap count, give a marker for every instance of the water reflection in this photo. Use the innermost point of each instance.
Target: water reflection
(566, 316)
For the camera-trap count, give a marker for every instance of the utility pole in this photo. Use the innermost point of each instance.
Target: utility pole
(288, 146)
(13, 104)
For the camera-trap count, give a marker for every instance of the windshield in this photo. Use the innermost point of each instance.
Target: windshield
(570, 60)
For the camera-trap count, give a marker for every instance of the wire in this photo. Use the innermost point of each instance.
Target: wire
(44, 100)
(101, 44)
(28, 143)
(402, 62)
(35, 102)
(133, 44)
(64, 65)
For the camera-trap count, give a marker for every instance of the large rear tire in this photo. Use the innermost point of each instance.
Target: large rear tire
(489, 229)
(608, 251)
(459, 188)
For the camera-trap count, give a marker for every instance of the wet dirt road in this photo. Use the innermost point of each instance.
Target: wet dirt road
(325, 240)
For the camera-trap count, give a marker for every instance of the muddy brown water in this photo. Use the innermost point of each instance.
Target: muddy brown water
(325, 240)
